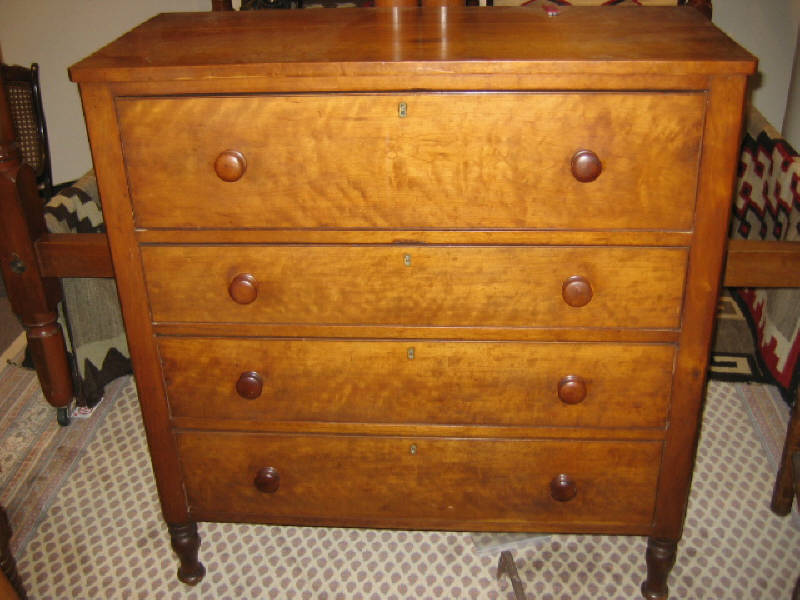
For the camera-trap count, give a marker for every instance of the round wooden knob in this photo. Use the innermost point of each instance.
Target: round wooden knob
(576, 291)
(267, 480)
(572, 389)
(563, 487)
(586, 166)
(230, 165)
(244, 288)
(249, 385)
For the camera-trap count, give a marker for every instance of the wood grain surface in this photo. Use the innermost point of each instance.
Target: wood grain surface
(342, 239)
(414, 381)
(354, 42)
(453, 161)
(420, 482)
(510, 286)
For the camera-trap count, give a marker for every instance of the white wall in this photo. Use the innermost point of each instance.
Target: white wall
(768, 29)
(791, 122)
(58, 33)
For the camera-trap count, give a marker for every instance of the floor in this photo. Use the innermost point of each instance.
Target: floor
(103, 537)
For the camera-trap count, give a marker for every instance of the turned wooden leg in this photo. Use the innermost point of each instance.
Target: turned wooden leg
(186, 543)
(660, 557)
(32, 297)
(7, 563)
(784, 491)
(49, 353)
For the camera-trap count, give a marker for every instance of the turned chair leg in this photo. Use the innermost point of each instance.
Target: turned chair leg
(32, 297)
(785, 482)
(7, 563)
(48, 350)
(660, 558)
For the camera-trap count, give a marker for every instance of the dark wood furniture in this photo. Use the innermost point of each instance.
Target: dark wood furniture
(787, 483)
(24, 98)
(34, 291)
(10, 582)
(469, 307)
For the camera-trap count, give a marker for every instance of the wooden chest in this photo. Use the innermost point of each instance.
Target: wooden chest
(451, 269)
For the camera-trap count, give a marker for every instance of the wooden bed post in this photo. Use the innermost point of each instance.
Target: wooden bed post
(33, 298)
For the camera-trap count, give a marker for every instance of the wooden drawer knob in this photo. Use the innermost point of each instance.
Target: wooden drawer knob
(563, 487)
(267, 480)
(244, 288)
(230, 165)
(572, 389)
(586, 166)
(576, 291)
(249, 385)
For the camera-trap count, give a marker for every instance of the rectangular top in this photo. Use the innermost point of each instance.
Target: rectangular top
(369, 41)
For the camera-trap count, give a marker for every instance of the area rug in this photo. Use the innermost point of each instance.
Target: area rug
(36, 454)
(10, 326)
(733, 354)
(103, 537)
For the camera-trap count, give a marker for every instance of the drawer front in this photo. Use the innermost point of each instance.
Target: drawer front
(513, 286)
(507, 383)
(419, 482)
(489, 160)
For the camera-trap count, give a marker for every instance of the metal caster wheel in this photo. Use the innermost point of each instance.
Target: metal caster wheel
(62, 415)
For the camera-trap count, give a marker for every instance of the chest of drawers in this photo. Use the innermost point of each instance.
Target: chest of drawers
(446, 269)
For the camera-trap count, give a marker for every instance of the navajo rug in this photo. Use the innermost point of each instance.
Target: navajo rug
(102, 535)
(767, 207)
(733, 354)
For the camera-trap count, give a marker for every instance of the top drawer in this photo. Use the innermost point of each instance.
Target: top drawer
(427, 160)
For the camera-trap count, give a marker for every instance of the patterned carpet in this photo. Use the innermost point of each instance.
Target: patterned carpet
(36, 455)
(102, 535)
(734, 356)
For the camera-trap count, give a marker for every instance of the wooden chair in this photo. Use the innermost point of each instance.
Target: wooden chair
(787, 483)
(25, 104)
(33, 293)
